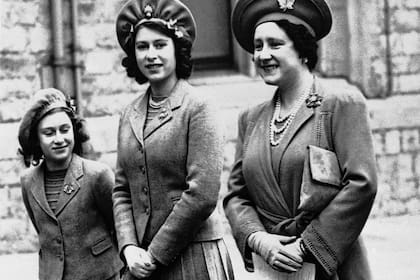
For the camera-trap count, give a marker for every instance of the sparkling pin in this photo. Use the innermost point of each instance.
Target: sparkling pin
(68, 188)
(148, 11)
(163, 115)
(286, 4)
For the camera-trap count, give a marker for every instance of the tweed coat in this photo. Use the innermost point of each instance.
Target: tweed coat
(264, 186)
(77, 242)
(168, 175)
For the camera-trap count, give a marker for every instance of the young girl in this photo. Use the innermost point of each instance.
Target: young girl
(68, 198)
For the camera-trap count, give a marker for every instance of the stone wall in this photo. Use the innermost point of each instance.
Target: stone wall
(25, 46)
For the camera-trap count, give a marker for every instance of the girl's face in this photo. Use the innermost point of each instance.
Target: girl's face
(275, 57)
(155, 55)
(56, 138)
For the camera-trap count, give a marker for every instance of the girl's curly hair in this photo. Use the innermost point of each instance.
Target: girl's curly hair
(34, 154)
(304, 43)
(182, 54)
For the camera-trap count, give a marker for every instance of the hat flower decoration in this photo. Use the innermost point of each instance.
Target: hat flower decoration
(286, 4)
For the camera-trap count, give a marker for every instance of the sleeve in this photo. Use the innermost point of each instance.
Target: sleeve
(122, 205)
(238, 205)
(103, 195)
(198, 201)
(26, 203)
(330, 235)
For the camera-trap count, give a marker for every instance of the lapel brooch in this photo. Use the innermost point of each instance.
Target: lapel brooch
(314, 99)
(68, 188)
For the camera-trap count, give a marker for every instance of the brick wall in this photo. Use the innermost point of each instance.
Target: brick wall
(25, 43)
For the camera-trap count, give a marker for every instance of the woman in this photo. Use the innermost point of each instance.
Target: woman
(68, 198)
(169, 153)
(263, 203)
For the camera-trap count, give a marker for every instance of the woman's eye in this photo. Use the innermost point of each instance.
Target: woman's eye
(48, 132)
(160, 45)
(258, 47)
(142, 47)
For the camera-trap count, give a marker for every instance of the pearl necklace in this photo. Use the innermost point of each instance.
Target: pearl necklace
(286, 120)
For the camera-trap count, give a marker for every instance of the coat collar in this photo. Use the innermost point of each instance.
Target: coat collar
(73, 174)
(139, 112)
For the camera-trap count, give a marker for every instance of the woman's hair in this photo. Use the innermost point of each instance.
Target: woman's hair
(79, 130)
(182, 54)
(304, 43)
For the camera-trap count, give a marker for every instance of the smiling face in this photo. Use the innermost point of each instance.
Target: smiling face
(56, 139)
(155, 55)
(275, 57)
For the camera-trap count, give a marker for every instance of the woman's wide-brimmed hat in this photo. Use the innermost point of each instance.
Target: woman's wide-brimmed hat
(315, 15)
(172, 14)
(42, 103)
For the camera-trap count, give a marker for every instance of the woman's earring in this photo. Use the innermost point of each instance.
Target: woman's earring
(305, 60)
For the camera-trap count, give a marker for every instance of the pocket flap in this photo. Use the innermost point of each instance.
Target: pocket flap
(101, 246)
(324, 166)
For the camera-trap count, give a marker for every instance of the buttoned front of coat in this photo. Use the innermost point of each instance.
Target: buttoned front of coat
(77, 241)
(168, 175)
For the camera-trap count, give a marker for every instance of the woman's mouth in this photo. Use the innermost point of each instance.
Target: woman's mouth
(269, 68)
(153, 66)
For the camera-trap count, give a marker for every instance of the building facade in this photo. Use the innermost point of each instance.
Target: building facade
(71, 44)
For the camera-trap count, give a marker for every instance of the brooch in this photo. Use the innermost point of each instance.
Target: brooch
(68, 188)
(286, 4)
(313, 100)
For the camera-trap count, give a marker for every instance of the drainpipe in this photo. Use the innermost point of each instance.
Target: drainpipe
(388, 58)
(58, 61)
(75, 58)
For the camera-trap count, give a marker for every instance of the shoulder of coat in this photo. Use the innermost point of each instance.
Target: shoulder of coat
(94, 167)
(336, 91)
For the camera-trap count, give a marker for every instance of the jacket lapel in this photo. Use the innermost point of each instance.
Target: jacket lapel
(38, 190)
(165, 115)
(71, 184)
(137, 117)
(302, 116)
(261, 134)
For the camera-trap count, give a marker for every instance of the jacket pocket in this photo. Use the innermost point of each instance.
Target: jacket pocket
(321, 180)
(101, 246)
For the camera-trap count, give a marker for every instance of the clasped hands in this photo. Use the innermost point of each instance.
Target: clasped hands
(281, 252)
(139, 261)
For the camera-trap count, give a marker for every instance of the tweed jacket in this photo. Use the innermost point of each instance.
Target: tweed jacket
(168, 175)
(77, 242)
(260, 179)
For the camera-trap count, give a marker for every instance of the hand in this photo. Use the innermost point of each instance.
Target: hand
(140, 262)
(274, 249)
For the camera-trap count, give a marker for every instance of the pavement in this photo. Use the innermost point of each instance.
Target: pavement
(393, 246)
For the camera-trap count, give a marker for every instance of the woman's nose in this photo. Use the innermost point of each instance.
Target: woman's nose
(59, 138)
(151, 53)
(264, 54)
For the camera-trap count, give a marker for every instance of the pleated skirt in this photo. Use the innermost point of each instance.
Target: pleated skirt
(206, 260)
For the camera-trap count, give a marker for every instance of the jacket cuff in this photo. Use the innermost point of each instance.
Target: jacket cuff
(320, 250)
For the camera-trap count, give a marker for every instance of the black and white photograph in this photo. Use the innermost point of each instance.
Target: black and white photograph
(209, 139)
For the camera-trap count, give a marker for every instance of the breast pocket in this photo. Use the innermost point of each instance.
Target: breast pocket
(101, 246)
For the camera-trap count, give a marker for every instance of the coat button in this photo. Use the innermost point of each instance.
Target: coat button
(147, 210)
(142, 169)
(145, 190)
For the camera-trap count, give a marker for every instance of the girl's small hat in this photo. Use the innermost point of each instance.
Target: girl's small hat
(315, 15)
(172, 14)
(42, 103)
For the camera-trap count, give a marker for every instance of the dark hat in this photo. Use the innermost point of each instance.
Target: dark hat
(315, 15)
(173, 14)
(43, 102)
